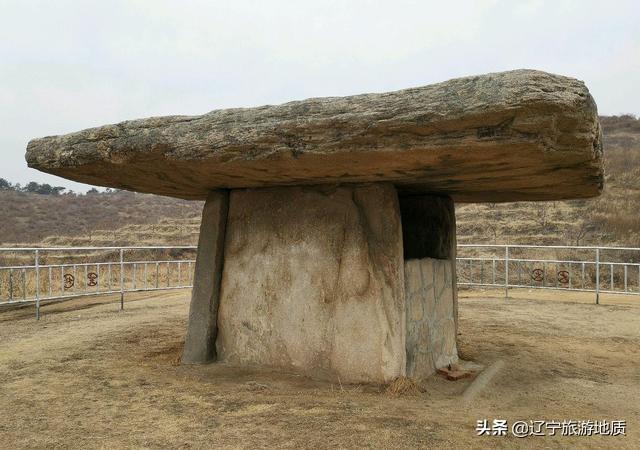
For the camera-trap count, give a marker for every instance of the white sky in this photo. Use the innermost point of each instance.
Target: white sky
(67, 65)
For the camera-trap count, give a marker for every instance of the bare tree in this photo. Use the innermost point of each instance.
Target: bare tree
(493, 228)
(580, 231)
(543, 214)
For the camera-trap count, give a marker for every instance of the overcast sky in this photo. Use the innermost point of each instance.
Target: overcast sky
(68, 65)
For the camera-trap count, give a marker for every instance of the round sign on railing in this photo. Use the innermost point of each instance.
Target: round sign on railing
(537, 275)
(563, 277)
(92, 279)
(69, 281)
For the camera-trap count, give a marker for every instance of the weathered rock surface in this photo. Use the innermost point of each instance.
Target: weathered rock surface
(429, 239)
(431, 327)
(313, 282)
(200, 341)
(520, 135)
(429, 231)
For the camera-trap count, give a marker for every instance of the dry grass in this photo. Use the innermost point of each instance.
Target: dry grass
(98, 378)
(403, 386)
(116, 218)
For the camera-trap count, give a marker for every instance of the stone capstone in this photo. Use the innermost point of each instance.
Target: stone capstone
(519, 135)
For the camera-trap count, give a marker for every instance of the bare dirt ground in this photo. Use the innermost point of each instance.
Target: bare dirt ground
(88, 376)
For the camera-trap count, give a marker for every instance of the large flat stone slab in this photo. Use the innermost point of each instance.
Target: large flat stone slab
(520, 135)
(313, 282)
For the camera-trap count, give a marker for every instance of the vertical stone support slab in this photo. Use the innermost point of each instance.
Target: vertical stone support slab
(313, 282)
(453, 255)
(428, 224)
(199, 344)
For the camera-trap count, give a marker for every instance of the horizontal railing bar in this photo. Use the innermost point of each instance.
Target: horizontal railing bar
(566, 261)
(554, 288)
(90, 294)
(193, 247)
(56, 249)
(175, 261)
(114, 263)
(576, 247)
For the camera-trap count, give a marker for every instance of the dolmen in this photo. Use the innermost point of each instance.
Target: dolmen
(328, 238)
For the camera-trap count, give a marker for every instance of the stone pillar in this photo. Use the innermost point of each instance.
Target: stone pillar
(428, 224)
(453, 255)
(313, 282)
(199, 344)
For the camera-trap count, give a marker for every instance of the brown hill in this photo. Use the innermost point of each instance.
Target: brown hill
(125, 218)
(107, 218)
(611, 219)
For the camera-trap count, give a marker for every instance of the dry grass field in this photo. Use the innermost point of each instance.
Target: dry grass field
(88, 376)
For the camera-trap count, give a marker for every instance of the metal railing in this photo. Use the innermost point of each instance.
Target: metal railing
(35, 275)
(611, 270)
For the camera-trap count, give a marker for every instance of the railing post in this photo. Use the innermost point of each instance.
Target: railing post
(506, 271)
(493, 271)
(37, 264)
(597, 276)
(121, 279)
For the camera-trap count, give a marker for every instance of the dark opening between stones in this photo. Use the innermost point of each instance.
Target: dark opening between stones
(428, 224)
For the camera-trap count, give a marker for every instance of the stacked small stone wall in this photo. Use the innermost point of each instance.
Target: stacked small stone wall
(431, 329)
(431, 302)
